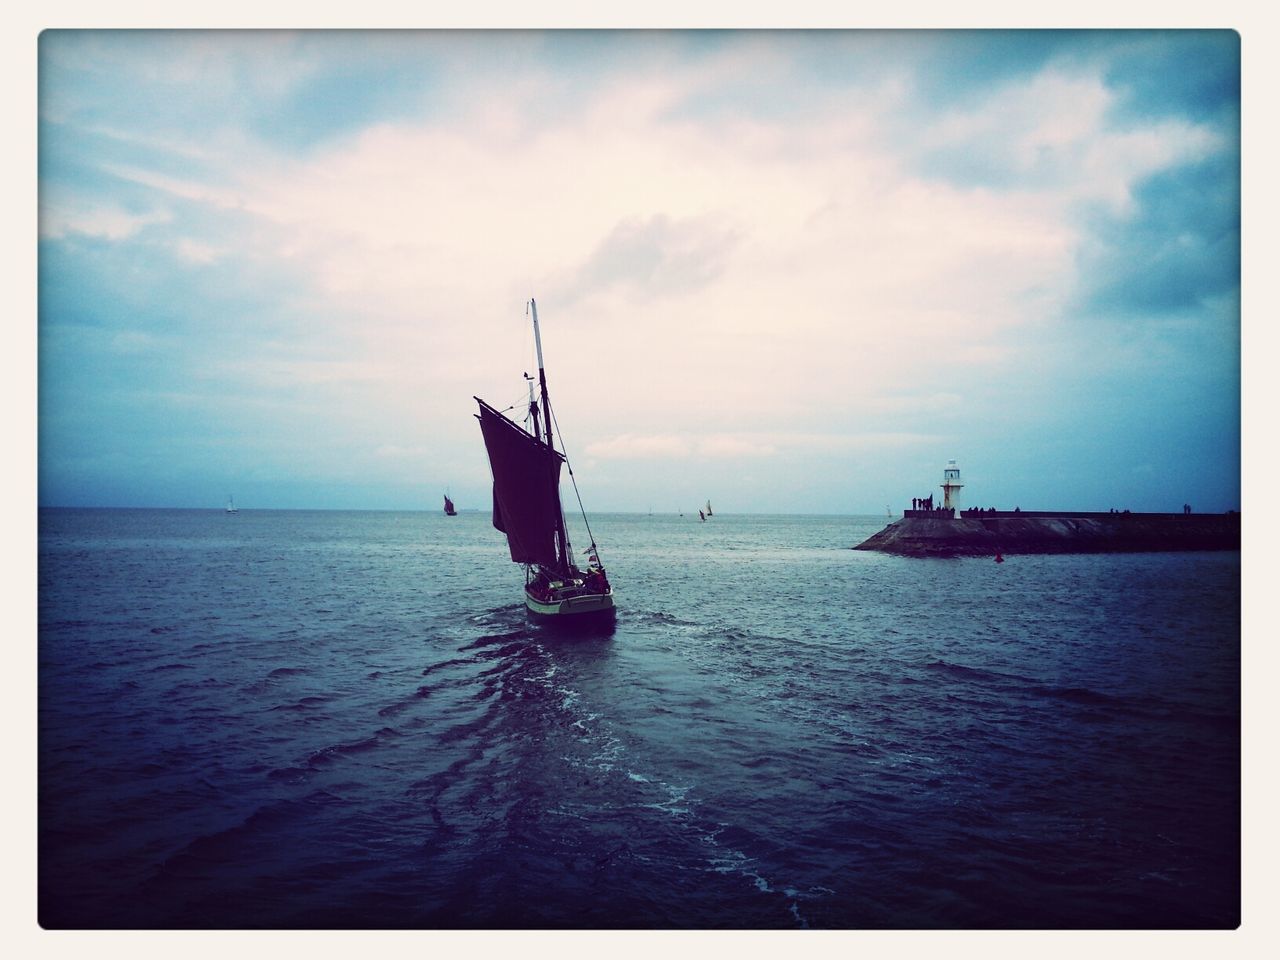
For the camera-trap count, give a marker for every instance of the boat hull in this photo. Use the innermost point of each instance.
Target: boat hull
(590, 607)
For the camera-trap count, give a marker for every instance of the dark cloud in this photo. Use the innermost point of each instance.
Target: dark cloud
(1180, 249)
(1191, 74)
(960, 68)
(1184, 73)
(292, 89)
(339, 102)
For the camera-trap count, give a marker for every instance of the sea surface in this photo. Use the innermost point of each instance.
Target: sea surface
(291, 719)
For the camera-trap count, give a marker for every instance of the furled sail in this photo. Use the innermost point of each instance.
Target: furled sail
(526, 488)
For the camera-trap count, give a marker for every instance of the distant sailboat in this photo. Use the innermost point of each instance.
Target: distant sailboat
(702, 516)
(449, 511)
(526, 507)
(709, 508)
(231, 506)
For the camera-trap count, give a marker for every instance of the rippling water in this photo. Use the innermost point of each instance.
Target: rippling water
(328, 719)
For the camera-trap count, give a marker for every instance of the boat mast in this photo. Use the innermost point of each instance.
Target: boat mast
(533, 411)
(562, 537)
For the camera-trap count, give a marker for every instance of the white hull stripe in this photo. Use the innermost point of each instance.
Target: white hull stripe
(590, 603)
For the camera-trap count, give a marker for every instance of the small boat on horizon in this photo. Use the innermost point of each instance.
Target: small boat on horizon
(449, 510)
(709, 513)
(231, 506)
(526, 507)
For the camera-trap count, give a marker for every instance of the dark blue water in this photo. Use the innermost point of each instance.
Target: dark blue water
(297, 719)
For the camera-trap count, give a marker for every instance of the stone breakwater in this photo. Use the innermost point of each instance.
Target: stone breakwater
(1010, 533)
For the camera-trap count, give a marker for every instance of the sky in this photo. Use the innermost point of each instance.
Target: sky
(786, 271)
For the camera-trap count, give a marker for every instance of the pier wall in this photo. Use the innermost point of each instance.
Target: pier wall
(976, 513)
(1012, 532)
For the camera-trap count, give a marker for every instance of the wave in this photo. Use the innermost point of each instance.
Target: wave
(337, 751)
(974, 673)
(394, 708)
(305, 704)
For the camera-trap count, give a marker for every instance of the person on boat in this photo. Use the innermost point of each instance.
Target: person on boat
(538, 587)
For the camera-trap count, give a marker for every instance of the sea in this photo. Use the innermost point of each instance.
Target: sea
(343, 720)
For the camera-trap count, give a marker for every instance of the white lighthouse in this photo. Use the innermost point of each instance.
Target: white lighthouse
(951, 486)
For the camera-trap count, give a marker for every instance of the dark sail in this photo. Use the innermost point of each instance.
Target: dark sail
(526, 488)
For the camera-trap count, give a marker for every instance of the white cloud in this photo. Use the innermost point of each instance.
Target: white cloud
(728, 447)
(741, 446)
(195, 251)
(184, 188)
(1054, 135)
(631, 447)
(63, 215)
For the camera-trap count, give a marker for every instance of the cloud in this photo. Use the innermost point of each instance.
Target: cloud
(744, 246)
(194, 251)
(66, 216)
(655, 258)
(740, 446)
(185, 188)
(1175, 73)
(631, 447)
(1056, 131)
(1178, 249)
(728, 447)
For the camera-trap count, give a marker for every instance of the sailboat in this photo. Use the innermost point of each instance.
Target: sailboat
(709, 508)
(449, 511)
(231, 506)
(526, 507)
